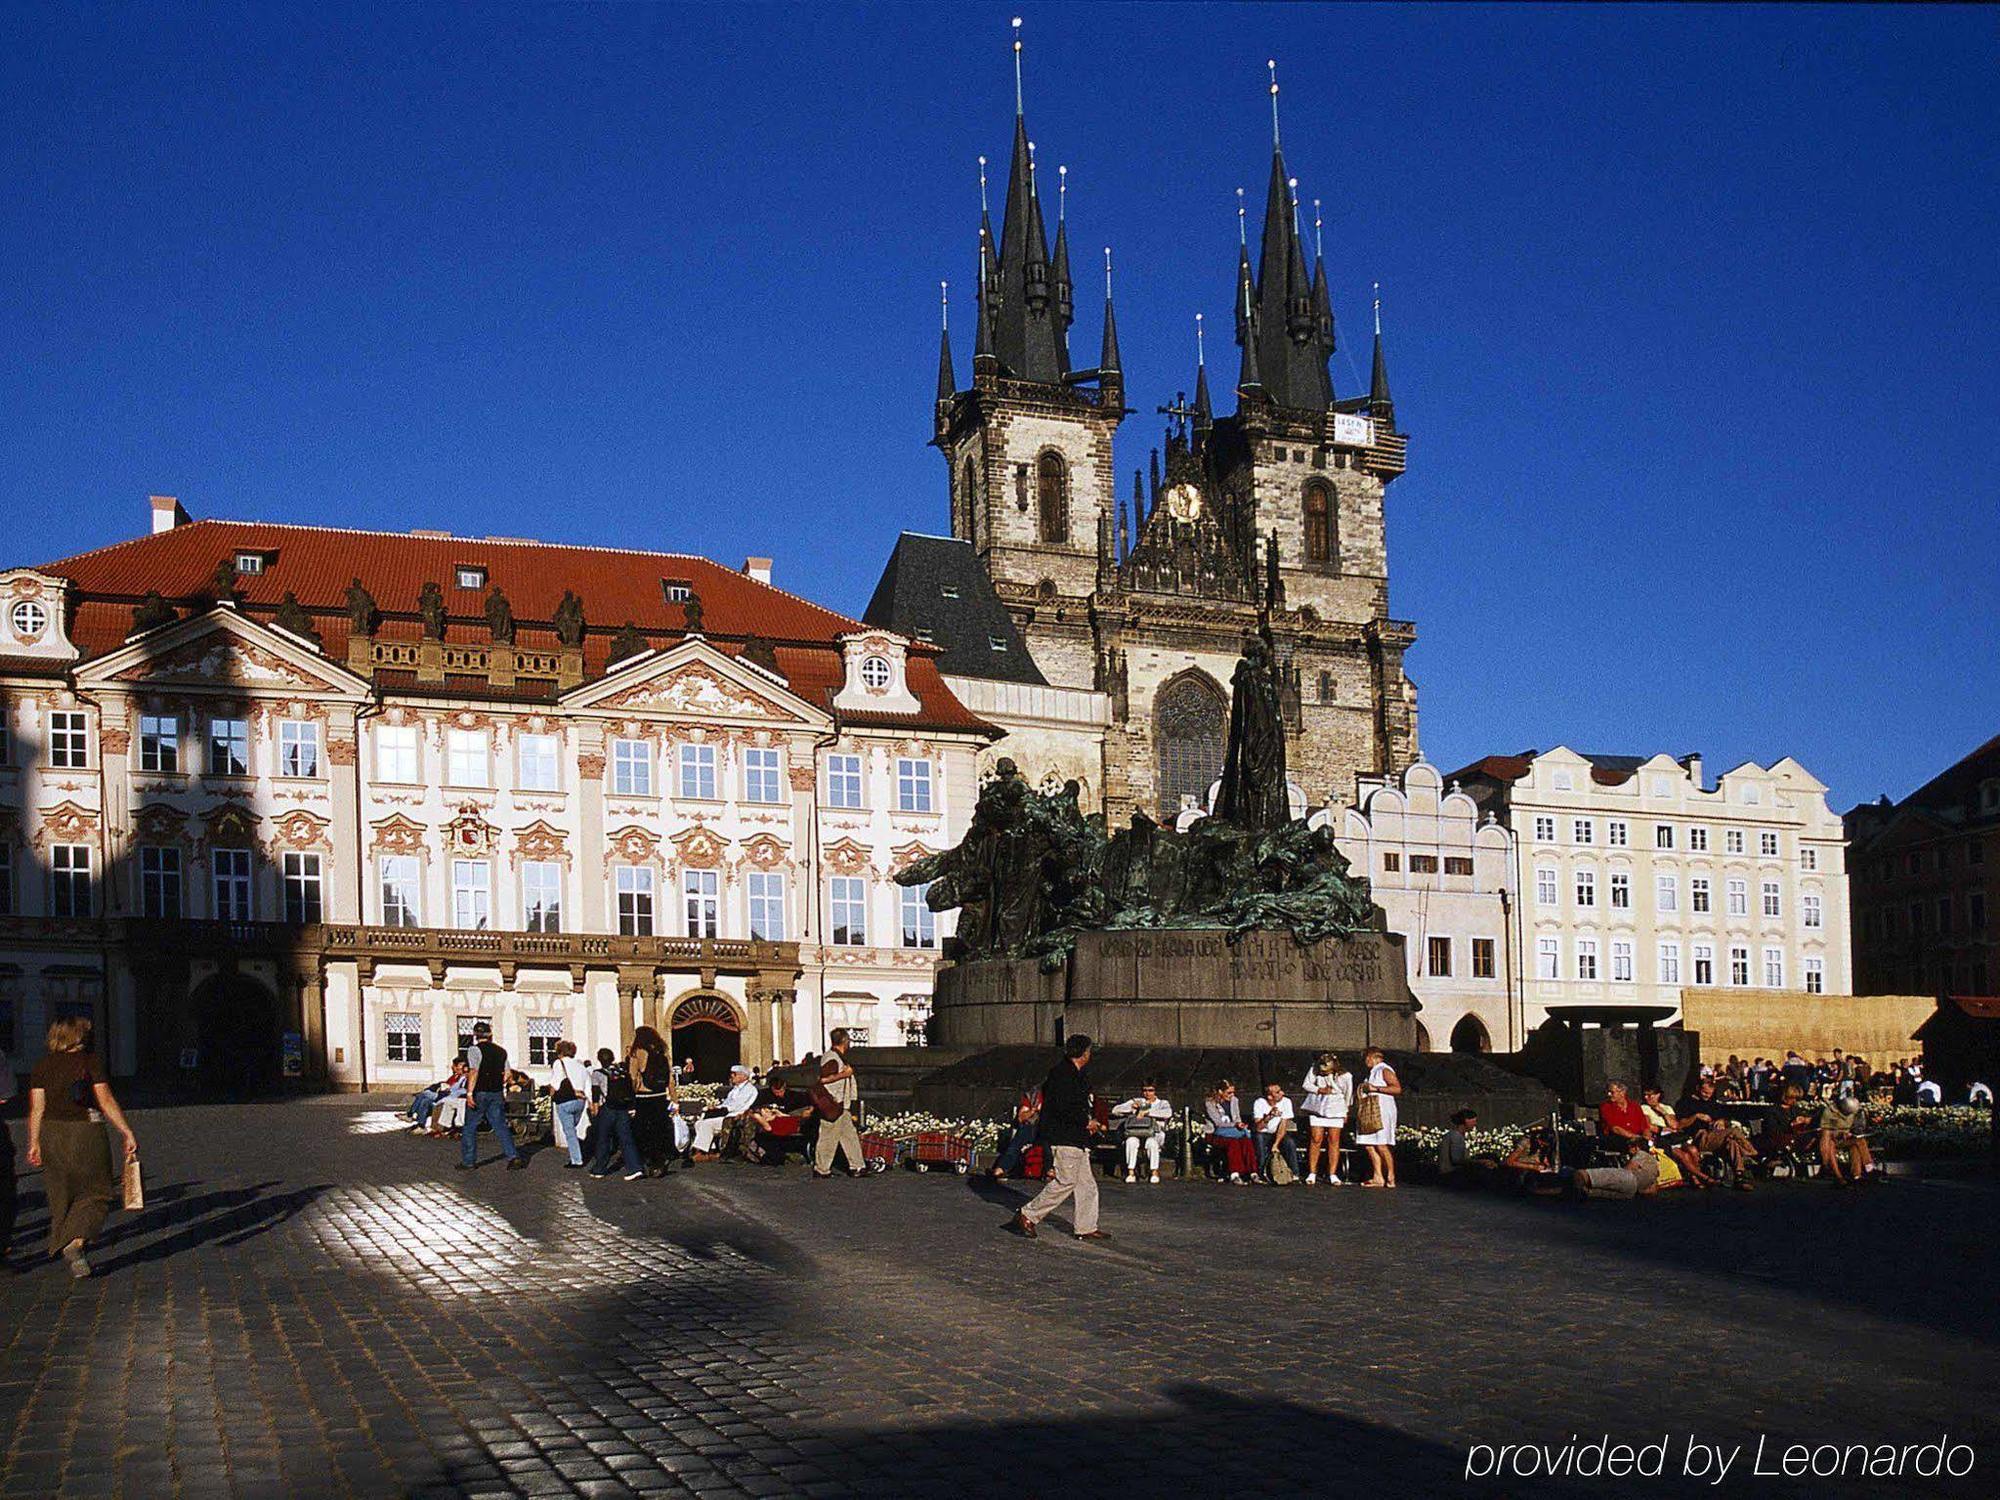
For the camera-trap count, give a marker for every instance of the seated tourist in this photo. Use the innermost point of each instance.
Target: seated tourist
(1789, 1124)
(1144, 1121)
(431, 1095)
(1456, 1165)
(1929, 1091)
(1638, 1178)
(1674, 1137)
(1712, 1133)
(714, 1126)
(1027, 1113)
(779, 1118)
(1619, 1120)
(1534, 1165)
(1843, 1141)
(1230, 1146)
(1273, 1116)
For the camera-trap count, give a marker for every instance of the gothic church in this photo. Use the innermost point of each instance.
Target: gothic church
(1146, 604)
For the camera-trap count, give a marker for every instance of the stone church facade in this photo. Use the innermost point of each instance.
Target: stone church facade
(1145, 601)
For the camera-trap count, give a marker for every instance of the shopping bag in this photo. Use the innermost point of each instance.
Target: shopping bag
(135, 1184)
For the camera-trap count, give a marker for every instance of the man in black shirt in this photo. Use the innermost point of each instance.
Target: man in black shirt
(486, 1061)
(1065, 1128)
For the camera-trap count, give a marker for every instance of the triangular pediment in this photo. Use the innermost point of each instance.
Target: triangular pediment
(223, 649)
(694, 680)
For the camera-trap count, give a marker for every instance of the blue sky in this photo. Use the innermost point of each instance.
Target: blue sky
(1692, 312)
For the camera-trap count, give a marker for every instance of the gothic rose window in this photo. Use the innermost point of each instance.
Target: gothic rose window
(1191, 719)
(1319, 524)
(1052, 497)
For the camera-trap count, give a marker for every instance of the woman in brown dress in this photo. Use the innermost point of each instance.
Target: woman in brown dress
(70, 1147)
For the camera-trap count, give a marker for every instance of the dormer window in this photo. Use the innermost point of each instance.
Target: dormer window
(948, 590)
(1989, 797)
(249, 563)
(927, 636)
(875, 672)
(677, 590)
(998, 643)
(29, 619)
(469, 576)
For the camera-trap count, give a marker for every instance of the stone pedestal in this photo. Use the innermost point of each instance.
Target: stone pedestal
(1187, 987)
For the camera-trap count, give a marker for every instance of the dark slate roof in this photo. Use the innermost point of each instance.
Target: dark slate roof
(916, 598)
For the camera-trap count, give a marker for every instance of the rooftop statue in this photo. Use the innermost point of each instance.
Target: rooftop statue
(1032, 872)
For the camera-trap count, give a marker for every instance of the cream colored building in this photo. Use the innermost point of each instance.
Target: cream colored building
(254, 821)
(1443, 874)
(1638, 880)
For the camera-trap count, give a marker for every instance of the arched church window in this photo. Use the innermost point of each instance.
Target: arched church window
(1190, 723)
(1319, 523)
(1052, 497)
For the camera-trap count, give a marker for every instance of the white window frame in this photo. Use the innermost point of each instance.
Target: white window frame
(472, 895)
(538, 762)
(1548, 958)
(763, 774)
(302, 887)
(631, 768)
(1620, 883)
(1548, 885)
(1545, 828)
(701, 899)
(1583, 830)
(1621, 961)
(1808, 859)
(541, 1036)
(467, 758)
(845, 784)
(1813, 975)
(1585, 885)
(635, 898)
(1774, 968)
(398, 754)
(698, 773)
(1701, 895)
(1702, 961)
(1663, 836)
(847, 910)
(1739, 967)
(69, 740)
(1670, 963)
(159, 880)
(1773, 899)
(402, 1036)
(1618, 833)
(1698, 840)
(1768, 846)
(1666, 893)
(399, 885)
(914, 785)
(764, 911)
(298, 749)
(232, 885)
(160, 744)
(541, 895)
(1586, 960)
(69, 881)
(919, 924)
(1738, 894)
(228, 751)
(1732, 841)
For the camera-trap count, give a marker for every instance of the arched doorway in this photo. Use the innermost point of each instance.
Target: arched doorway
(235, 1026)
(1190, 726)
(707, 1029)
(1469, 1035)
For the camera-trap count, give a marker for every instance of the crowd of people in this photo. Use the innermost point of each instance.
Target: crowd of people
(1260, 1147)
(624, 1116)
(1902, 1082)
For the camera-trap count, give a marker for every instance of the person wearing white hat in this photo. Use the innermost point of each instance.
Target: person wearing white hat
(735, 1105)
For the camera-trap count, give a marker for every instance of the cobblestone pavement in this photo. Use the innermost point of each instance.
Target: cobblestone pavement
(315, 1304)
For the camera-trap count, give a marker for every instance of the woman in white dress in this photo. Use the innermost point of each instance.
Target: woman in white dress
(1384, 1086)
(1329, 1093)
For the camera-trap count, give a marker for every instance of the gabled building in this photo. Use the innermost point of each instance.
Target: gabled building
(1274, 510)
(287, 799)
(1926, 882)
(1639, 880)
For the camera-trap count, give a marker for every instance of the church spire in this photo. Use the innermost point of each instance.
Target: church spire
(1204, 412)
(1029, 295)
(1107, 359)
(1379, 404)
(1283, 317)
(947, 379)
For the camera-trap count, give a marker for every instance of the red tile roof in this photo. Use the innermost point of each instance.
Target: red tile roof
(316, 563)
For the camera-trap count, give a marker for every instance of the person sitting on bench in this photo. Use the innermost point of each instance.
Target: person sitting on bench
(714, 1130)
(1144, 1121)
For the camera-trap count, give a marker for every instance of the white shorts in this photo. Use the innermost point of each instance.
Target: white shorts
(1327, 1122)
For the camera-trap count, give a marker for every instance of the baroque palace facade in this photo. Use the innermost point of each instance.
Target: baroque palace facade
(302, 800)
(1123, 622)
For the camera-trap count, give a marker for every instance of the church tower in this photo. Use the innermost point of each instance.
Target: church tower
(1028, 444)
